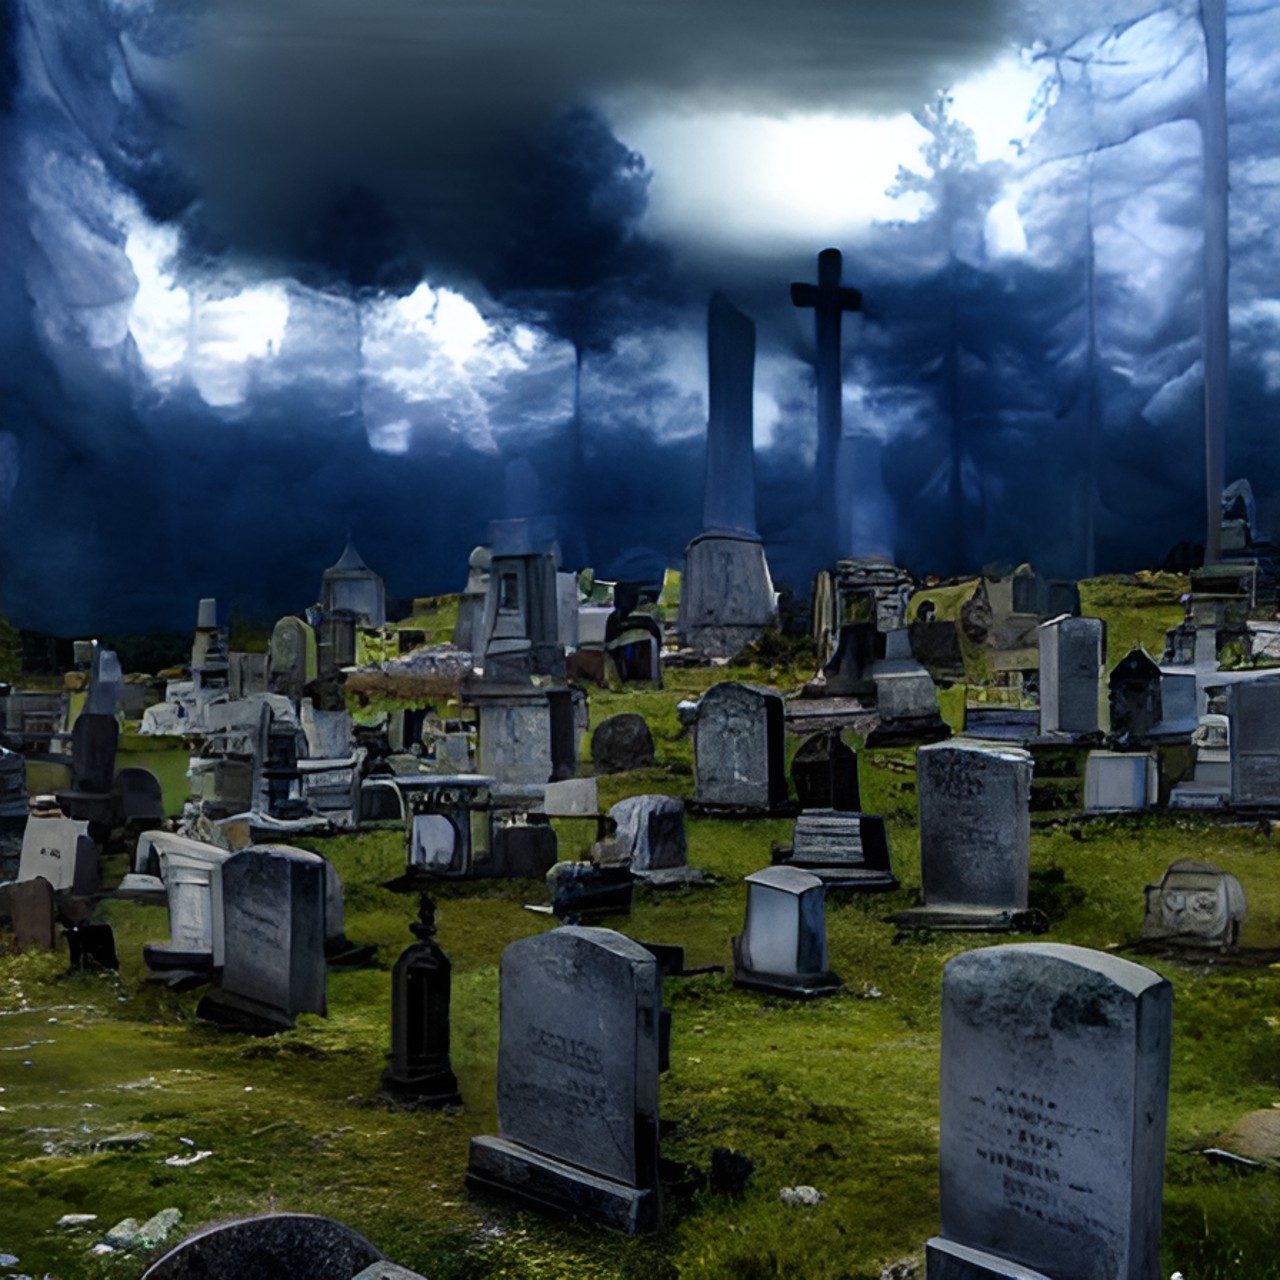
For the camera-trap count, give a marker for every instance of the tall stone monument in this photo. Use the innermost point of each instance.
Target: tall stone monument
(727, 597)
(829, 300)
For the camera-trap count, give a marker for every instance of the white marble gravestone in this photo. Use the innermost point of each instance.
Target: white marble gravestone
(193, 888)
(783, 944)
(1055, 1080)
(578, 1061)
(60, 850)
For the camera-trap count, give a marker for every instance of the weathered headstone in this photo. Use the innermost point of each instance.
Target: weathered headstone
(274, 927)
(739, 749)
(650, 830)
(975, 837)
(140, 793)
(1072, 660)
(266, 1248)
(1196, 904)
(1055, 1078)
(578, 1061)
(572, 798)
(621, 743)
(1253, 710)
(28, 905)
(783, 944)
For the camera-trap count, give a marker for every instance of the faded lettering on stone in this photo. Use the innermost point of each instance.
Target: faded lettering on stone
(1024, 1135)
(580, 1055)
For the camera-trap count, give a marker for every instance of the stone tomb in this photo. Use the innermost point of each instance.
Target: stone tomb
(1055, 1080)
(975, 837)
(578, 1061)
(783, 944)
(739, 750)
(60, 850)
(274, 924)
(1196, 904)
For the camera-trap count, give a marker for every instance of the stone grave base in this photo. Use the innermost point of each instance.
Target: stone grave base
(160, 957)
(436, 1088)
(971, 919)
(507, 1168)
(675, 878)
(735, 812)
(238, 1013)
(805, 986)
(909, 732)
(835, 875)
(946, 1260)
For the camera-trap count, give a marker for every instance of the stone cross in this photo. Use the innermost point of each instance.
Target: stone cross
(829, 300)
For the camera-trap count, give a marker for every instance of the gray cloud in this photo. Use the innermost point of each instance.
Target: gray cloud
(431, 105)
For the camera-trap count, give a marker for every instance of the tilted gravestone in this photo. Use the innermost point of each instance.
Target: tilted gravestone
(975, 837)
(739, 749)
(274, 929)
(578, 1061)
(1055, 1079)
(650, 831)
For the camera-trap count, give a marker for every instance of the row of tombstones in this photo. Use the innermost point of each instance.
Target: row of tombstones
(1042, 1173)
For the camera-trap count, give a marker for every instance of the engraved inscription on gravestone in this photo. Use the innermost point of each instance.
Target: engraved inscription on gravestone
(1055, 1073)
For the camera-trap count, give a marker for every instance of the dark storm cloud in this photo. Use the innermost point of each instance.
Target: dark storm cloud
(433, 106)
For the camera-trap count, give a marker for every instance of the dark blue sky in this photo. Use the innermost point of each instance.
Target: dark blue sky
(275, 272)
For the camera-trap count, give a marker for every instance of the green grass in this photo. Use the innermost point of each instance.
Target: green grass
(839, 1093)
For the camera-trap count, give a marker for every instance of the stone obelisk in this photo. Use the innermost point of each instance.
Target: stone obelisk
(727, 597)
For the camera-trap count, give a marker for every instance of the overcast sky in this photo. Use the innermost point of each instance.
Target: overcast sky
(327, 267)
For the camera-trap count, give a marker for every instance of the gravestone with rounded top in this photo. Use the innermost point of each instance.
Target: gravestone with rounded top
(1055, 1080)
(739, 749)
(578, 1062)
(1196, 904)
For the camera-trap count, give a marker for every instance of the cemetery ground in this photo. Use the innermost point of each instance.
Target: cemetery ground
(118, 1102)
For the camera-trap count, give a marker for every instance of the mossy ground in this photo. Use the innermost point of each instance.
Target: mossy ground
(840, 1093)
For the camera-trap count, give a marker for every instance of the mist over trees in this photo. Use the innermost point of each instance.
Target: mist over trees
(1026, 381)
